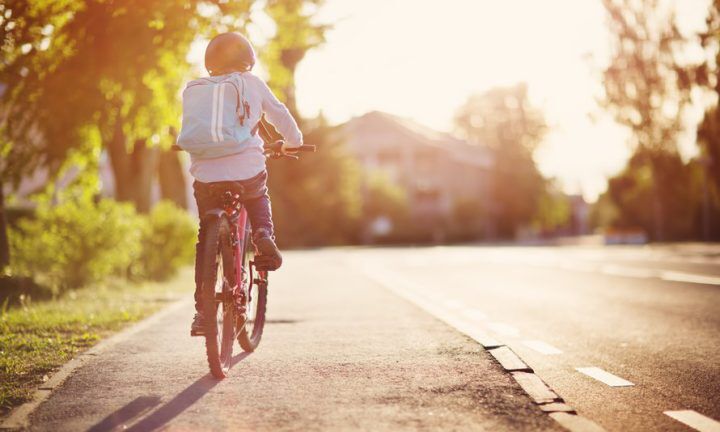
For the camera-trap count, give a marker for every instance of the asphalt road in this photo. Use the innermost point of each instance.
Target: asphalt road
(343, 351)
(650, 316)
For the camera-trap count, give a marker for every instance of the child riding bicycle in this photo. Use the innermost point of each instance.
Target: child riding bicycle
(221, 118)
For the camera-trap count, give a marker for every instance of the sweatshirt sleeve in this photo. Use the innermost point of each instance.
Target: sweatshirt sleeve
(277, 113)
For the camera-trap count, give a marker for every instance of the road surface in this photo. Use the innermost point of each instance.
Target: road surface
(628, 337)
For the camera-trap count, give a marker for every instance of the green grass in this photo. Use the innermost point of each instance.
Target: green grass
(36, 338)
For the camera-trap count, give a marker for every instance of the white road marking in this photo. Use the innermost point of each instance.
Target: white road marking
(576, 423)
(474, 314)
(689, 277)
(503, 329)
(695, 420)
(643, 273)
(615, 270)
(453, 304)
(604, 377)
(536, 388)
(408, 290)
(581, 267)
(541, 347)
(508, 359)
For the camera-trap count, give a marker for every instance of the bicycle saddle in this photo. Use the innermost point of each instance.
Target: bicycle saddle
(220, 188)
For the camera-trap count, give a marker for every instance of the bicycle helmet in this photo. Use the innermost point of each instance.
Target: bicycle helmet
(229, 52)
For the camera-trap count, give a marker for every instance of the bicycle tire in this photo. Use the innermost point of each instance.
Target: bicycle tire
(250, 332)
(217, 260)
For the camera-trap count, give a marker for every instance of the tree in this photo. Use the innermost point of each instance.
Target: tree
(706, 76)
(646, 90)
(316, 200)
(4, 243)
(296, 34)
(633, 192)
(554, 210)
(86, 75)
(503, 120)
(81, 76)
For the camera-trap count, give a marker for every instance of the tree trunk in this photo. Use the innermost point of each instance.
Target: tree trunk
(658, 207)
(133, 171)
(4, 246)
(171, 177)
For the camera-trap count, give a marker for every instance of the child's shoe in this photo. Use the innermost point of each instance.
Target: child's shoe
(268, 257)
(198, 325)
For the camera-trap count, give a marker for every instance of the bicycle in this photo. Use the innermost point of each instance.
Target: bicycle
(234, 285)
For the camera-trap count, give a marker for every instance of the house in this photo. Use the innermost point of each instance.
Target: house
(436, 170)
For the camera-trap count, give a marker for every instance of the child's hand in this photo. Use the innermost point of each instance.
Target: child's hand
(287, 150)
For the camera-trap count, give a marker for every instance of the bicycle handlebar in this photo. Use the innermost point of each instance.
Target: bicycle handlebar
(275, 150)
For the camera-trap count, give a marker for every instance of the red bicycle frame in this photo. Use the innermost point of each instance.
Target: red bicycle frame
(239, 216)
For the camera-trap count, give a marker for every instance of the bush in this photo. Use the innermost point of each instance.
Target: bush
(76, 243)
(168, 240)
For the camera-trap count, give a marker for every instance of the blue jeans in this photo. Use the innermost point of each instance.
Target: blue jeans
(256, 201)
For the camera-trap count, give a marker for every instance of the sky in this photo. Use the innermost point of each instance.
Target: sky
(421, 59)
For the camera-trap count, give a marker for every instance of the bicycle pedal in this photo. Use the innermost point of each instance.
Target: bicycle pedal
(194, 333)
(265, 263)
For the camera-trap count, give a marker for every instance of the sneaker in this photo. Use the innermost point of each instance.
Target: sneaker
(268, 257)
(198, 325)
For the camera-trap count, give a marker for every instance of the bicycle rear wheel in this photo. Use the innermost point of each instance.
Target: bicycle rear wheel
(256, 282)
(217, 299)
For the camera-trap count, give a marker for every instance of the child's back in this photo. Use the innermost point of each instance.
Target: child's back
(221, 115)
(249, 97)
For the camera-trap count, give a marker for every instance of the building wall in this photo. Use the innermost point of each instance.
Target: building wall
(433, 173)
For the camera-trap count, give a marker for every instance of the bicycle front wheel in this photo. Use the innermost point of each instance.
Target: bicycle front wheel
(217, 299)
(256, 284)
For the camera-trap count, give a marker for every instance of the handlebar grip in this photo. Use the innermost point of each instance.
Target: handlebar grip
(302, 148)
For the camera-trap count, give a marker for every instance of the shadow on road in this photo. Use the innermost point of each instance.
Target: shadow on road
(134, 409)
(165, 413)
(281, 321)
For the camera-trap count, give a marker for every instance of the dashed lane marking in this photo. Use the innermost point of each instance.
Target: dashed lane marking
(605, 377)
(509, 360)
(695, 420)
(674, 276)
(532, 384)
(643, 273)
(541, 347)
(474, 314)
(576, 423)
(503, 329)
(453, 304)
(615, 270)
(539, 391)
(408, 290)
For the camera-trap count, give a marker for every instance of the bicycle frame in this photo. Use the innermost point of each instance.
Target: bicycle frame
(239, 220)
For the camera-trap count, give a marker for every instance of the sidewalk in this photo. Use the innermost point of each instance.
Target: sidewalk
(338, 354)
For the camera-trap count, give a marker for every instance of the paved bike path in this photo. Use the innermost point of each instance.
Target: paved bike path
(339, 353)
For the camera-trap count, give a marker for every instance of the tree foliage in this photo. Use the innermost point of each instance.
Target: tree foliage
(633, 194)
(76, 243)
(707, 76)
(315, 200)
(86, 75)
(647, 88)
(554, 210)
(297, 33)
(504, 120)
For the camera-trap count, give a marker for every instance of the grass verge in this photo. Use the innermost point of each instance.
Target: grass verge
(36, 338)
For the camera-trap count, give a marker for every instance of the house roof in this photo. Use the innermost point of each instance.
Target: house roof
(376, 123)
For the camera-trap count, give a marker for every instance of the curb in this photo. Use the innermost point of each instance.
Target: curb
(19, 417)
(540, 393)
